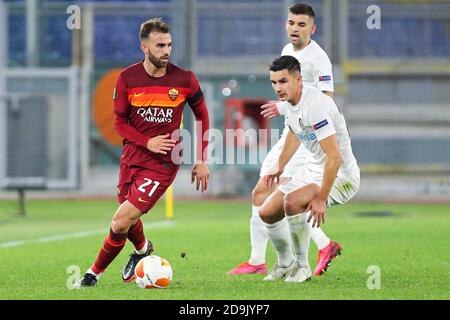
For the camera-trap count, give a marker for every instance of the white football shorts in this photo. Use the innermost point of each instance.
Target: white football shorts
(344, 188)
(299, 158)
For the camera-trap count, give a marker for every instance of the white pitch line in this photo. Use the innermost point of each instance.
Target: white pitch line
(80, 234)
(12, 244)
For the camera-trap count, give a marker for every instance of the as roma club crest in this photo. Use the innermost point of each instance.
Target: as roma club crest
(173, 94)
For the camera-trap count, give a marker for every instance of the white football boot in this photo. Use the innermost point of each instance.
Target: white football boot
(299, 274)
(279, 273)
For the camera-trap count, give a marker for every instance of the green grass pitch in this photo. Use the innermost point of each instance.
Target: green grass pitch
(410, 248)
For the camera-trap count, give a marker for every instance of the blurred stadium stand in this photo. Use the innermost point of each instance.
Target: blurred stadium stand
(392, 83)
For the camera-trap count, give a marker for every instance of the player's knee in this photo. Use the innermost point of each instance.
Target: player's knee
(266, 215)
(291, 205)
(117, 226)
(121, 224)
(258, 195)
(262, 214)
(254, 195)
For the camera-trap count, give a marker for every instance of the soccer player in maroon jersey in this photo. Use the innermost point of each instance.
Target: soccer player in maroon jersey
(148, 105)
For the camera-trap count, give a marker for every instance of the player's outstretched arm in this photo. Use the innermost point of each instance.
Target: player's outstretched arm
(270, 110)
(273, 109)
(200, 175)
(332, 163)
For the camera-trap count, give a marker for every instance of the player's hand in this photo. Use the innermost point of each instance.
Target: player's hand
(273, 176)
(200, 175)
(270, 110)
(161, 144)
(317, 207)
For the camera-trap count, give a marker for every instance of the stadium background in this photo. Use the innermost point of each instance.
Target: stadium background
(392, 84)
(56, 142)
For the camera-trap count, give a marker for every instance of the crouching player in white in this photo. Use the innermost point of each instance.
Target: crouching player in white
(317, 72)
(330, 178)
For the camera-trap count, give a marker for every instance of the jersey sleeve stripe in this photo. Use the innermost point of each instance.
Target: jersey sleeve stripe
(196, 97)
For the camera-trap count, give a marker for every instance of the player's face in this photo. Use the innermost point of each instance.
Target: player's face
(287, 86)
(299, 28)
(157, 48)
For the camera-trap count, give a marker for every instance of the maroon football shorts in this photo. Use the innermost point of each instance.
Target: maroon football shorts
(142, 186)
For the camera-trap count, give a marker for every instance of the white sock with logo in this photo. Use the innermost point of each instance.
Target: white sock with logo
(258, 238)
(317, 235)
(144, 249)
(279, 236)
(300, 237)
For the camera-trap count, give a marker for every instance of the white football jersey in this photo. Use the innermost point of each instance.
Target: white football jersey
(315, 118)
(316, 70)
(316, 67)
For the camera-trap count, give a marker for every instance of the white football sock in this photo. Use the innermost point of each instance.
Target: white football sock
(300, 237)
(317, 235)
(144, 248)
(281, 240)
(258, 238)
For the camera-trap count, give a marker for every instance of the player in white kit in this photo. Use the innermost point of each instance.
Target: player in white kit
(316, 72)
(330, 177)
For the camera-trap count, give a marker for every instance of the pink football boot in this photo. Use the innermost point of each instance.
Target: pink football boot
(247, 268)
(325, 256)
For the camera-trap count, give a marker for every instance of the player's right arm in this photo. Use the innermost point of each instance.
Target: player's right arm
(159, 144)
(290, 147)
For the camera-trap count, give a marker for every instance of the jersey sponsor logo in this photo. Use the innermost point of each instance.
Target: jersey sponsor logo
(304, 136)
(321, 124)
(324, 78)
(135, 95)
(158, 115)
(173, 94)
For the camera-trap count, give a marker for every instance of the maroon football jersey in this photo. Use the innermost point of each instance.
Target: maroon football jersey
(146, 106)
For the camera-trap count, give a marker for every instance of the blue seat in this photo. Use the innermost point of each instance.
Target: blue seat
(16, 43)
(410, 39)
(117, 38)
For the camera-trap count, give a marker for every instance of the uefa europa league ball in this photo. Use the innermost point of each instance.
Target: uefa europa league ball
(153, 272)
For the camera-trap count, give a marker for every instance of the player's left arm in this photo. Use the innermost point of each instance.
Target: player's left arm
(324, 76)
(196, 100)
(333, 160)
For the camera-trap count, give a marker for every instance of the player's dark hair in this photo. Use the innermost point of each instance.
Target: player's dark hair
(285, 62)
(155, 24)
(302, 8)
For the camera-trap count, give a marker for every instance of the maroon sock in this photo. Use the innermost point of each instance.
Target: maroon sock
(136, 235)
(112, 246)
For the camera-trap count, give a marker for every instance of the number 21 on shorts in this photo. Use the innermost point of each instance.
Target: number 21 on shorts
(145, 184)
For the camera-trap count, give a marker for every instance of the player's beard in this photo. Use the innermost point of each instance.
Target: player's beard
(158, 63)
